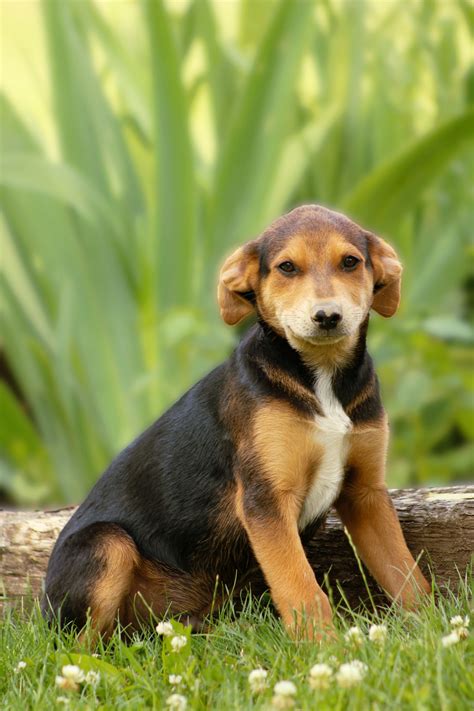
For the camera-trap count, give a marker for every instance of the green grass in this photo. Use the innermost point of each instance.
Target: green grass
(412, 670)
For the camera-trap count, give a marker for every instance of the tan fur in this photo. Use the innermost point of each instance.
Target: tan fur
(287, 455)
(162, 592)
(286, 449)
(120, 557)
(387, 275)
(334, 355)
(367, 511)
(132, 588)
(318, 256)
(238, 275)
(304, 607)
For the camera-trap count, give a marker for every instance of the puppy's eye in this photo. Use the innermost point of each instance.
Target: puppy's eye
(287, 267)
(349, 263)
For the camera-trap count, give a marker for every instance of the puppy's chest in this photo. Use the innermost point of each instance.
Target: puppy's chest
(332, 431)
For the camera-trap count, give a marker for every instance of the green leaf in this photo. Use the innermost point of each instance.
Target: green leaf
(175, 189)
(91, 139)
(61, 182)
(222, 72)
(298, 152)
(125, 67)
(18, 437)
(14, 136)
(255, 141)
(20, 292)
(390, 191)
(449, 328)
(25, 470)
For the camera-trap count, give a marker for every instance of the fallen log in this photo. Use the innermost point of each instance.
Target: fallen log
(438, 524)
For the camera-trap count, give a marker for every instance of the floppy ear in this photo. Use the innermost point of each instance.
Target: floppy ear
(387, 276)
(237, 282)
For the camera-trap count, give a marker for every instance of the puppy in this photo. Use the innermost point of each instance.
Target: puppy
(222, 491)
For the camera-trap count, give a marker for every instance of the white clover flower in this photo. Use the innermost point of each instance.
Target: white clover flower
(355, 636)
(458, 634)
(320, 676)
(351, 674)
(178, 642)
(258, 680)
(283, 693)
(458, 621)
(92, 677)
(62, 700)
(175, 679)
(164, 628)
(19, 667)
(68, 684)
(73, 672)
(285, 688)
(378, 634)
(177, 702)
(450, 639)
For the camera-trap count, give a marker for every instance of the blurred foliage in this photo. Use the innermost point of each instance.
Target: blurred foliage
(167, 134)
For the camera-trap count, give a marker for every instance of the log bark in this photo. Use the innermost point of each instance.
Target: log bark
(438, 525)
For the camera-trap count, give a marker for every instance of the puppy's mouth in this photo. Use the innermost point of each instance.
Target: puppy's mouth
(320, 338)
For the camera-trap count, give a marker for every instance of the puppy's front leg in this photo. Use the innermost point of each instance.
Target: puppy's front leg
(366, 509)
(276, 543)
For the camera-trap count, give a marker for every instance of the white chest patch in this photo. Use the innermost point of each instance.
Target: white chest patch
(332, 430)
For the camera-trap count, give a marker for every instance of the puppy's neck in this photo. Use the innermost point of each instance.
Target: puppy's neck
(272, 353)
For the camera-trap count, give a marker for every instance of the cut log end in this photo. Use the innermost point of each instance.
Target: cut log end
(438, 525)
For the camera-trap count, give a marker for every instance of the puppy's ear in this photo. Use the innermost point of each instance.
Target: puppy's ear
(387, 276)
(237, 283)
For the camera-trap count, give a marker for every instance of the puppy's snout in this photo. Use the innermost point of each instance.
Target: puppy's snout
(328, 317)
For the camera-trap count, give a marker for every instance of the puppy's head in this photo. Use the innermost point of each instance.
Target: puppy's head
(313, 276)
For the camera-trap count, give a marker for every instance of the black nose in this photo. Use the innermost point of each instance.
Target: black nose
(327, 321)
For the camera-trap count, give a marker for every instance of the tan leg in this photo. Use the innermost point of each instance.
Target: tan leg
(120, 558)
(301, 602)
(368, 513)
(275, 476)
